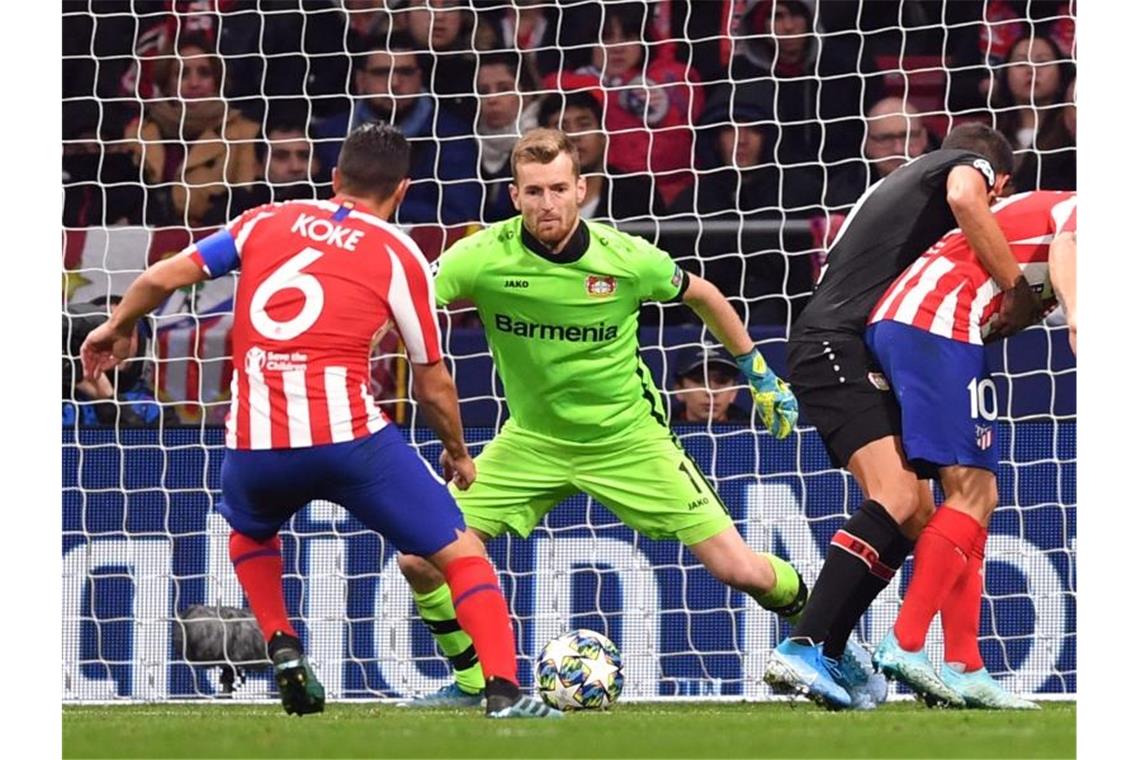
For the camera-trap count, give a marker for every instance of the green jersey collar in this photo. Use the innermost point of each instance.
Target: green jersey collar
(575, 247)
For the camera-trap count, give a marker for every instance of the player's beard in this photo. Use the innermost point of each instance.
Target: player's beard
(552, 232)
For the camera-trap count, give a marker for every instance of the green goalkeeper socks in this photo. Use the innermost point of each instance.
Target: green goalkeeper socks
(789, 596)
(438, 614)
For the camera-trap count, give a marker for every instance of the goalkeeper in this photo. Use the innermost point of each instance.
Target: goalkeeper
(559, 298)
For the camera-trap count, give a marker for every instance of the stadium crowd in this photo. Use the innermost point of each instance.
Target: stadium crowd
(770, 117)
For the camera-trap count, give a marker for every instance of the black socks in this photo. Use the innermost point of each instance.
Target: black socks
(856, 554)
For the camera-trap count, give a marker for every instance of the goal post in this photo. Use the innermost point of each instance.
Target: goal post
(142, 537)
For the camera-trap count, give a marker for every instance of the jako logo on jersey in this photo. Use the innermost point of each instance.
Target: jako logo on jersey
(984, 167)
(573, 333)
(985, 435)
(600, 285)
(516, 284)
(324, 231)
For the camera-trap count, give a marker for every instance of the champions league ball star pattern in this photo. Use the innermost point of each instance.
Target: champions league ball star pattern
(580, 670)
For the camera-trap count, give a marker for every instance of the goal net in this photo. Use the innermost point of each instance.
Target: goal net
(735, 135)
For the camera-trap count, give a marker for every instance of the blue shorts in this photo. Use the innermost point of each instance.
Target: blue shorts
(949, 403)
(379, 479)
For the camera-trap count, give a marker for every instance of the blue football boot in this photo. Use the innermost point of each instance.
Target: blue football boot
(856, 673)
(523, 707)
(981, 690)
(914, 669)
(795, 668)
(447, 696)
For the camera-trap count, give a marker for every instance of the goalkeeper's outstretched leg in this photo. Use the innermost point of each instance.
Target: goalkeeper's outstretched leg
(772, 582)
(464, 573)
(433, 601)
(481, 611)
(648, 481)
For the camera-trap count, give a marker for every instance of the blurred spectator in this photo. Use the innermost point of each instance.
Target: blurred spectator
(291, 171)
(1070, 112)
(155, 33)
(701, 35)
(442, 31)
(191, 146)
(609, 194)
(735, 150)
(550, 36)
(740, 181)
(100, 181)
(120, 397)
(706, 387)
(823, 80)
(895, 135)
(296, 50)
(366, 20)
(1030, 107)
(1007, 21)
(982, 36)
(291, 166)
(388, 85)
(271, 50)
(650, 103)
(507, 108)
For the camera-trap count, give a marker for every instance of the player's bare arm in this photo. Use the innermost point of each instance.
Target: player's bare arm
(1063, 274)
(435, 391)
(109, 343)
(774, 399)
(969, 200)
(717, 313)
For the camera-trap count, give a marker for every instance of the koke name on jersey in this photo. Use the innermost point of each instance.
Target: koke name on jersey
(324, 231)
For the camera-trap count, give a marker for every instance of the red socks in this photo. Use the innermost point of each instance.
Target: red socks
(962, 610)
(258, 567)
(940, 557)
(482, 613)
(479, 604)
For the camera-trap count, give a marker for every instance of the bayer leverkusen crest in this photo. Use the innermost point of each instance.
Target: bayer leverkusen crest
(600, 286)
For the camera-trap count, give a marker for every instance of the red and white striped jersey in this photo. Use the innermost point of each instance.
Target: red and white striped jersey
(320, 282)
(948, 292)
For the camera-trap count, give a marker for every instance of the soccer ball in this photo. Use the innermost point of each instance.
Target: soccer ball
(580, 670)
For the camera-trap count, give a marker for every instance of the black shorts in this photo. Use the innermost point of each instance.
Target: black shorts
(842, 392)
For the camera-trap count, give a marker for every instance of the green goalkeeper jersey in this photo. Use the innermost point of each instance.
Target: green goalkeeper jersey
(563, 329)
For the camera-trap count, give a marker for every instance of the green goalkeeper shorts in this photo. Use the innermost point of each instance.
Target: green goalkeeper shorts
(644, 478)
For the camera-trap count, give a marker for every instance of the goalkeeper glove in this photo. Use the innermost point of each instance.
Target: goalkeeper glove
(775, 400)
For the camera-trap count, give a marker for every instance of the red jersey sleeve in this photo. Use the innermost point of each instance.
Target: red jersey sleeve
(240, 227)
(1064, 215)
(220, 252)
(411, 298)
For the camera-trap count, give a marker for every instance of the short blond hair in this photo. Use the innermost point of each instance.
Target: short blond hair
(541, 146)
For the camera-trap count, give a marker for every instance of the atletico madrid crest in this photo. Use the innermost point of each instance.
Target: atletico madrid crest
(985, 435)
(600, 286)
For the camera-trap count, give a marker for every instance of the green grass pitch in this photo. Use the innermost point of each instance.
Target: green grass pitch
(675, 729)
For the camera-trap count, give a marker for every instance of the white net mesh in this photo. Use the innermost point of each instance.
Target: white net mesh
(733, 134)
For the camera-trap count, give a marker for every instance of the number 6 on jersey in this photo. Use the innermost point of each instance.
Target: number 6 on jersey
(288, 275)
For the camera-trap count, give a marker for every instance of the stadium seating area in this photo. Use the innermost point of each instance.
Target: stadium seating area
(734, 134)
